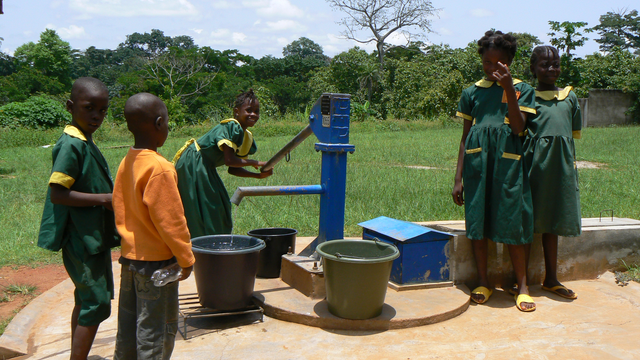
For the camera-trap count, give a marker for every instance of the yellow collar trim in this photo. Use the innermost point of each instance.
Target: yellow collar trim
(75, 132)
(484, 83)
(554, 94)
(243, 151)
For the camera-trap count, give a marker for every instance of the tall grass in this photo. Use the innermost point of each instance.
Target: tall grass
(379, 179)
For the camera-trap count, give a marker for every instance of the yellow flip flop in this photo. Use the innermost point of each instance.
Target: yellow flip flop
(561, 287)
(524, 298)
(481, 290)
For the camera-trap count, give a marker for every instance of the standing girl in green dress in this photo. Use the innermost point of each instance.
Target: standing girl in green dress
(204, 197)
(490, 177)
(550, 158)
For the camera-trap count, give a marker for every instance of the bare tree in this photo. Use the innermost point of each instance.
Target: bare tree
(383, 18)
(181, 74)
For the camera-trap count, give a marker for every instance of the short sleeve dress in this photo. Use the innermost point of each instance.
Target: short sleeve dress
(550, 158)
(496, 191)
(206, 202)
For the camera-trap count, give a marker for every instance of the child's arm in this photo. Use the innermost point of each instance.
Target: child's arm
(517, 119)
(62, 196)
(458, 188)
(236, 165)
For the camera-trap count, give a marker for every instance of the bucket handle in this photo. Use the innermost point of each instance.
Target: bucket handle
(376, 240)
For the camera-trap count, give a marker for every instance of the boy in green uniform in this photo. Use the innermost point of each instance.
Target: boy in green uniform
(78, 216)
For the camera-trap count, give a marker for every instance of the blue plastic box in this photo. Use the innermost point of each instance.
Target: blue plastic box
(424, 252)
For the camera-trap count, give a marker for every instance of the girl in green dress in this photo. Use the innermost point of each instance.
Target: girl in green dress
(550, 158)
(490, 178)
(205, 199)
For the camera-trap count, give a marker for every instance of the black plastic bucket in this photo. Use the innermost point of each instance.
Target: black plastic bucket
(278, 241)
(225, 270)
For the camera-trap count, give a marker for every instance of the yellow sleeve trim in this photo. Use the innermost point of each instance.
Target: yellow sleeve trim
(473, 151)
(464, 116)
(227, 142)
(62, 179)
(511, 156)
(506, 120)
(183, 148)
(528, 110)
(577, 134)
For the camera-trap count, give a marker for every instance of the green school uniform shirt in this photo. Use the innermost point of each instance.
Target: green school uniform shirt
(78, 165)
(550, 159)
(496, 191)
(205, 199)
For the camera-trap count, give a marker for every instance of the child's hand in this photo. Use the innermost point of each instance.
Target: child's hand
(503, 75)
(457, 193)
(259, 164)
(185, 273)
(107, 201)
(264, 174)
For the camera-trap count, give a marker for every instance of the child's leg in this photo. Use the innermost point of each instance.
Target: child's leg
(83, 337)
(157, 318)
(480, 254)
(127, 318)
(550, 248)
(517, 254)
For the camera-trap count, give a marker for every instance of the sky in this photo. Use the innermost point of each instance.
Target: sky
(265, 27)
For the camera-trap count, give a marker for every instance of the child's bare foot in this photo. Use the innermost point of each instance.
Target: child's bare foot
(559, 289)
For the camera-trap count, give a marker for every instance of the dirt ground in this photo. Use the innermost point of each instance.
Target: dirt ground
(42, 277)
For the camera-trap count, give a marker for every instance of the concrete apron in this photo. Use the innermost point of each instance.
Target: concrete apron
(605, 318)
(603, 245)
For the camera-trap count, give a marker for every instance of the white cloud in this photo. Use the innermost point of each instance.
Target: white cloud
(285, 25)
(220, 33)
(238, 38)
(129, 8)
(72, 32)
(480, 13)
(282, 41)
(396, 38)
(197, 31)
(223, 5)
(274, 8)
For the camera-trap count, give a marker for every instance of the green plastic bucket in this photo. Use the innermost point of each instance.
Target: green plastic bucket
(356, 273)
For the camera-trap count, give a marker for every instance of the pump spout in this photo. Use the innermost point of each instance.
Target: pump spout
(302, 135)
(243, 191)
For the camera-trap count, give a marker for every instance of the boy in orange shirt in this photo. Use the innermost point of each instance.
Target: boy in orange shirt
(150, 218)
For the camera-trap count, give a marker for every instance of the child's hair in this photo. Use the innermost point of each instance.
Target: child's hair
(246, 97)
(87, 83)
(498, 40)
(542, 49)
(141, 110)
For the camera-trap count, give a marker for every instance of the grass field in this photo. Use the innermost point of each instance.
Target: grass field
(387, 175)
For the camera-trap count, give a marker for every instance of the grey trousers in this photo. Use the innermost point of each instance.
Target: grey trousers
(147, 318)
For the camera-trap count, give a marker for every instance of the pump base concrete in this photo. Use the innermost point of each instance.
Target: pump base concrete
(401, 309)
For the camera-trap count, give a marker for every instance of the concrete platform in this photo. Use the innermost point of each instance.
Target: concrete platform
(603, 323)
(402, 309)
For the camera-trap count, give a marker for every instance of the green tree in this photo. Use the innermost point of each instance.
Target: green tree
(384, 18)
(621, 29)
(51, 55)
(520, 66)
(566, 36)
(35, 113)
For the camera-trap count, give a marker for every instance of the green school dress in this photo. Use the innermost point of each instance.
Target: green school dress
(550, 158)
(496, 191)
(85, 234)
(206, 202)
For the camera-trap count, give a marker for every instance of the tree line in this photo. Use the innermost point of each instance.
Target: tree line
(197, 83)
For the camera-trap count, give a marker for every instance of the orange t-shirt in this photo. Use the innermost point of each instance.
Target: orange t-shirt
(148, 210)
